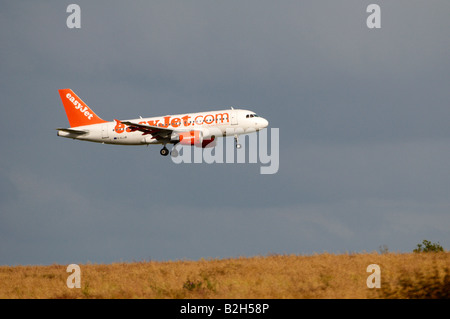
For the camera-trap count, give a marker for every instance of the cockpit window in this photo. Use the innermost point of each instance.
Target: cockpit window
(251, 115)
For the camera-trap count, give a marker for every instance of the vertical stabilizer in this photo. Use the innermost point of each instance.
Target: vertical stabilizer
(78, 113)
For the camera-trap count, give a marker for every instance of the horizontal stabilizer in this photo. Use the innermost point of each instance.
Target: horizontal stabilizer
(72, 131)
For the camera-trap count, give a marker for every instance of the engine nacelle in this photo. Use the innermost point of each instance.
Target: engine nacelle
(188, 138)
(193, 138)
(207, 143)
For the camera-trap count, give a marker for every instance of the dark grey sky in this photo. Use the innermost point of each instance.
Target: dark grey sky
(363, 119)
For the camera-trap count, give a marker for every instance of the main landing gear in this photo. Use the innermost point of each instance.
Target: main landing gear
(174, 152)
(164, 151)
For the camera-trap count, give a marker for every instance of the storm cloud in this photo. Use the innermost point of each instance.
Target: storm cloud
(362, 116)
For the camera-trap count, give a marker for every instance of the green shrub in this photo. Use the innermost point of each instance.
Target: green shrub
(428, 247)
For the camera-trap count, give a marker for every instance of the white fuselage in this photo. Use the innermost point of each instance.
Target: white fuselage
(223, 122)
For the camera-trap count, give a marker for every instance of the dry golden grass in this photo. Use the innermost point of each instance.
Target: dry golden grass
(411, 275)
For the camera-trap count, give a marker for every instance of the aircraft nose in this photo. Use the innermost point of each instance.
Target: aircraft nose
(264, 123)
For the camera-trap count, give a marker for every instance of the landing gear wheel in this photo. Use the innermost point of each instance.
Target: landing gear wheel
(164, 151)
(174, 152)
(236, 140)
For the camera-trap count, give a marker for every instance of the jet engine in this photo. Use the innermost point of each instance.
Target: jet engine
(193, 138)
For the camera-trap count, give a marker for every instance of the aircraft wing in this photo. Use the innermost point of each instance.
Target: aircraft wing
(157, 132)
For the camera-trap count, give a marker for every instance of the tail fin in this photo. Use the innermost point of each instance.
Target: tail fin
(77, 111)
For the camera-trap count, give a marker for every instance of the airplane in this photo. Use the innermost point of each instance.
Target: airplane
(195, 129)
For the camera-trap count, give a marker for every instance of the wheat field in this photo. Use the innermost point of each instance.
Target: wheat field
(337, 276)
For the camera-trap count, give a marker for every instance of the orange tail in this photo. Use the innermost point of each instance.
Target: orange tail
(78, 113)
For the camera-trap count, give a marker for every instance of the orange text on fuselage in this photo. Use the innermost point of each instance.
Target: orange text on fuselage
(176, 122)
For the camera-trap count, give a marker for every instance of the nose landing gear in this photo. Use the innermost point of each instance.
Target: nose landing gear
(236, 140)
